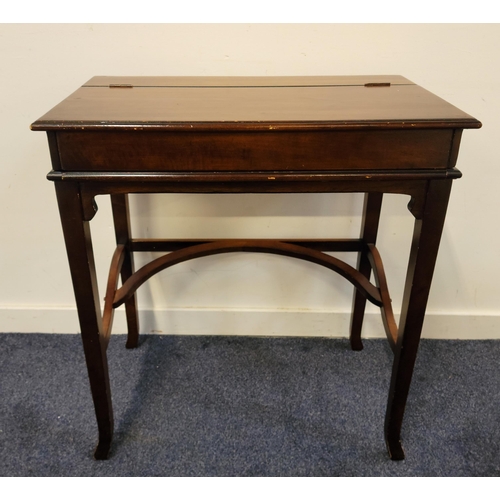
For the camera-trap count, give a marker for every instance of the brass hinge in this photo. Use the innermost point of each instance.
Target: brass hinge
(381, 84)
(121, 86)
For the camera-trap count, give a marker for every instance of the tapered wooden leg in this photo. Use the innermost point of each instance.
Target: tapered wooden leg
(369, 229)
(81, 262)
(121, 218)
(424, 249)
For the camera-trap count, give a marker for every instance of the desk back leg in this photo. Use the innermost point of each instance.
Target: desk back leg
(424, 249)
(81, 262)
(369, 230)
(121, 218)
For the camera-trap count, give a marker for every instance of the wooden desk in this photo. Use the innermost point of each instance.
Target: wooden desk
(370, 134)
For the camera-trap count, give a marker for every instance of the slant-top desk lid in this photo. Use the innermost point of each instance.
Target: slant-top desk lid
(256, 102)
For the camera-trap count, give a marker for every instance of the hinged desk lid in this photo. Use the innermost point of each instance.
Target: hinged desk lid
(257, 103)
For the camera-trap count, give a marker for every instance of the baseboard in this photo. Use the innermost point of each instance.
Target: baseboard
(256, 322)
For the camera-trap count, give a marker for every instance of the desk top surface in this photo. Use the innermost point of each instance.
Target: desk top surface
(252, 103)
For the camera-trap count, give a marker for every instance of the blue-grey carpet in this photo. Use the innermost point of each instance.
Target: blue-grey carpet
(239, 406)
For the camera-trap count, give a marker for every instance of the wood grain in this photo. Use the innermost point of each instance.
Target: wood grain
(244, 106)
(254, 151)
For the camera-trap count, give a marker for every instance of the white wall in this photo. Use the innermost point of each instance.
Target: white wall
(239, 293)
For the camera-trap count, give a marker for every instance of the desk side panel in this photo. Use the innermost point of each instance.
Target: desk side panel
(109, 151)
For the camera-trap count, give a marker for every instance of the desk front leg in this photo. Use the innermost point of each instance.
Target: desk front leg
(81, 262)
(425, 244)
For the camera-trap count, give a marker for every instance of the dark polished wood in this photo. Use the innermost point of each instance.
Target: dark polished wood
(340, 134)
(255, 150)
(263, 246)
(424, 249)
(81, 261)
(369, 230)
(286, 103)
(121, 219)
